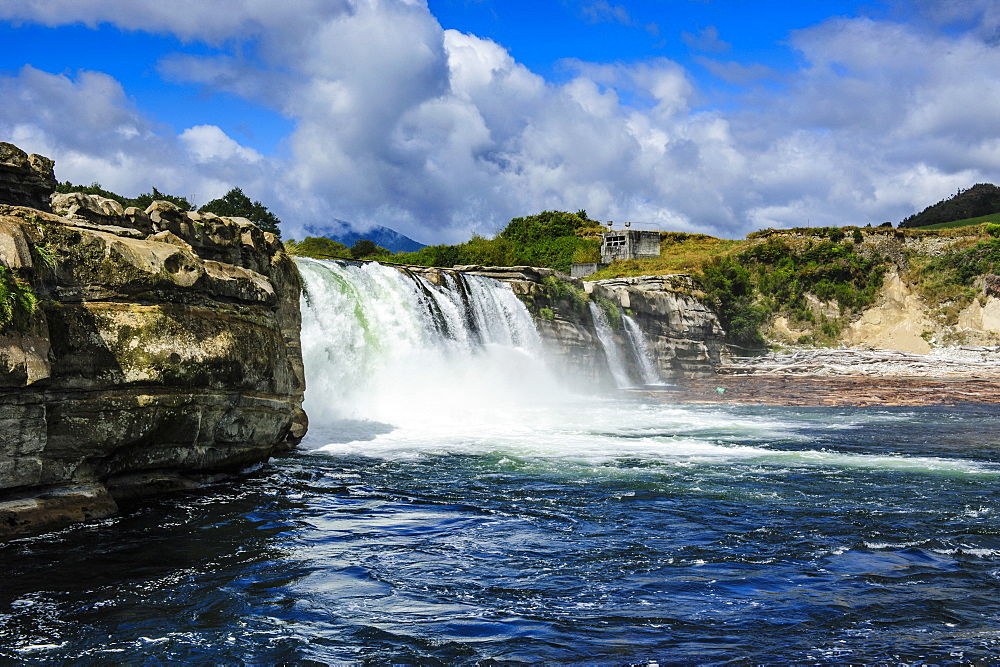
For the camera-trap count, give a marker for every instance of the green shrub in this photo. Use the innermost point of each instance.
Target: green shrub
(612, 312)
(551, 239)
(17, 301)
(317, 247)
(773, 277)
(562, 289)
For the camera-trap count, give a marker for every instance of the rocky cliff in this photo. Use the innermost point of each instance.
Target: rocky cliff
(144, 351)
(684, 336)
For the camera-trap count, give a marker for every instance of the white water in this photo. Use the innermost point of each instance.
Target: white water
(381, 345)
(640, 350)
(616, 360)
(397, 367)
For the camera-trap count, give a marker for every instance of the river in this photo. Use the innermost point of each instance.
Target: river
(455, 503)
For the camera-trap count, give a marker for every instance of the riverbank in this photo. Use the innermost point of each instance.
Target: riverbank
(846, 377)
(828, 391)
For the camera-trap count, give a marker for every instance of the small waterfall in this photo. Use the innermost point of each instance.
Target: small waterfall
(386, 345)
(616, 360)
(640, 351)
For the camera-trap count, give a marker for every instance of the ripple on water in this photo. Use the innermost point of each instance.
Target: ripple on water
(689, 535)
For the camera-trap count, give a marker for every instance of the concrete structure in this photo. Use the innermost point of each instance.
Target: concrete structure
(584, 270)
(626, 244)
(629, 244)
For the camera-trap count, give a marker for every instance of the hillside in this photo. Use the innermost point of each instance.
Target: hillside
(979, 200)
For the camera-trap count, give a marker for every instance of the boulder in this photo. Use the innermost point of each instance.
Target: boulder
(25, 180)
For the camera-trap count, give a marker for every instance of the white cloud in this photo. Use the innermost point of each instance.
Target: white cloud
(208, 142)
(439, 134)
(93, 129)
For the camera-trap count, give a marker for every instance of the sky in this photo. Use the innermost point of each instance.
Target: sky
(446, 118)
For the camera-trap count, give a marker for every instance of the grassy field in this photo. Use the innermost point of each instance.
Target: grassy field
(679, 253)
(968, 222)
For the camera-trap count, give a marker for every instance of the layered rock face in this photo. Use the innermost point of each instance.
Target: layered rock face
(25, 180)
(164, 351)
(683, 334)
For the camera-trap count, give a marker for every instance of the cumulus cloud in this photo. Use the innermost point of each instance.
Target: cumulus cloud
(207, 143)
(94, 130)
(440, 134)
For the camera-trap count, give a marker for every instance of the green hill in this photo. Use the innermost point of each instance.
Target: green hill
(979, 200)
(967, 222)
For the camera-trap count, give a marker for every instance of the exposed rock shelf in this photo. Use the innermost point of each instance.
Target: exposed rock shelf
(165, 351)
(812, 392)
(963, 362)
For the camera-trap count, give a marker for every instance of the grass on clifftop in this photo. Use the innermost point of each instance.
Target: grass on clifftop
(679, 253)
(968, 222)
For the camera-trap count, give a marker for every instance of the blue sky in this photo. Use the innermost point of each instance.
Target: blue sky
(447, 118)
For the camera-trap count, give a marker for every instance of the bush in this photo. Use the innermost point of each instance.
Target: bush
(17, 301)
(317, 247)
(562, 289)
(773, 277)
(551, 239)
(366, 249)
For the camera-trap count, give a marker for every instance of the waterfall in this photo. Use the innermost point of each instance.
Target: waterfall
(386, 345)
(616, 360)
(640, 351)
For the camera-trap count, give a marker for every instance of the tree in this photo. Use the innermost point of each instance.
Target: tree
(318, 247)
(365, 248)
(145, 199)
(235, 204)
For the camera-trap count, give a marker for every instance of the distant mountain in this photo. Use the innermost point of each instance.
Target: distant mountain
(980, 199)
(384, 237)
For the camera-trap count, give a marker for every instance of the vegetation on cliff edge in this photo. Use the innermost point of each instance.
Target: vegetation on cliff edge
(552, 239)
(17, 301)
(952, 279)
(818, 279)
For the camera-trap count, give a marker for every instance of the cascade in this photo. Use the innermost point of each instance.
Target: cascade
(381, 344)
(616, 360)
(640, 351)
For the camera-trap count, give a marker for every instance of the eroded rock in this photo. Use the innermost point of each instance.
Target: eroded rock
(165, 352)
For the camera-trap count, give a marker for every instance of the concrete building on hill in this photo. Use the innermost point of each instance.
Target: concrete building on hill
(623, 244)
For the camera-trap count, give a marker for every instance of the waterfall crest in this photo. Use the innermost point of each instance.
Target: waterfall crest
(382, 344)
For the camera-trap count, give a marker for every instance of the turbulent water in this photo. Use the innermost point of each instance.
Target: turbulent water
(455, 503)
